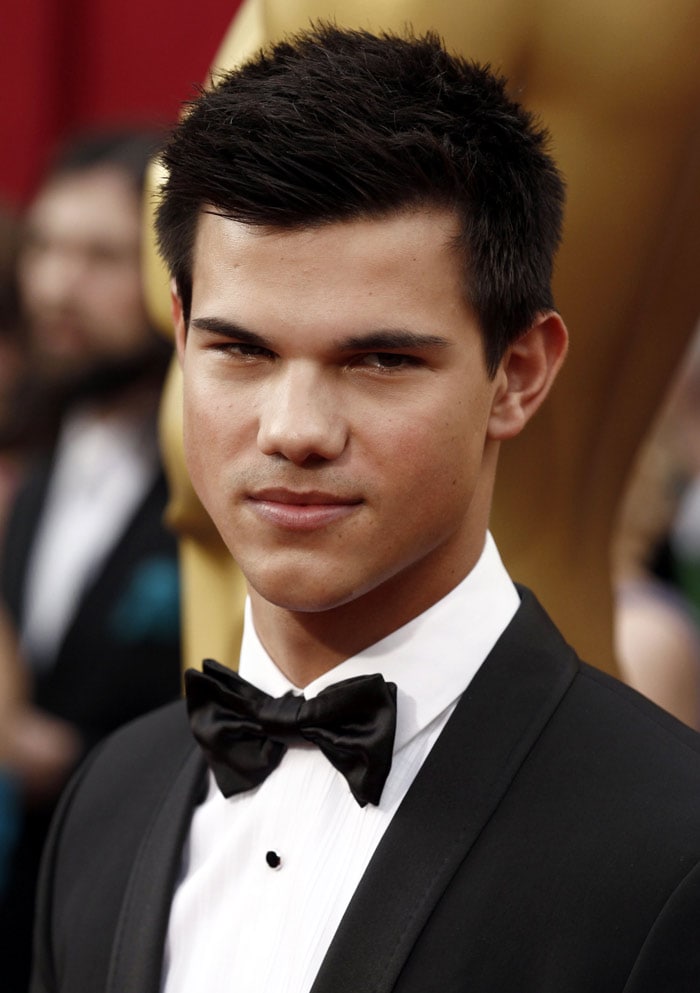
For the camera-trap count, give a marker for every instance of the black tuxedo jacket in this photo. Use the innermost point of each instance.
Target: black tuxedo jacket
(549, 844)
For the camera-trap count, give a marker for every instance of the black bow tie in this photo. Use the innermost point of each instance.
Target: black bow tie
(244, 732)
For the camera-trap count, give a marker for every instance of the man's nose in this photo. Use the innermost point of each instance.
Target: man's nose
(301, 417)
(56, 276)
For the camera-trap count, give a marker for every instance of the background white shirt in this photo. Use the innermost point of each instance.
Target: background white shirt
(103, 467)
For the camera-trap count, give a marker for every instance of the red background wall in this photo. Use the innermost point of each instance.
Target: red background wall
(70, 64)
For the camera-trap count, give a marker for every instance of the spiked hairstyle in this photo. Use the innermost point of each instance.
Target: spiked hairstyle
(334, 124)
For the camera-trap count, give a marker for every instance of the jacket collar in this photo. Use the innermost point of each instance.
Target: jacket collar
(493, 728)
(469, 770)
(137, 953)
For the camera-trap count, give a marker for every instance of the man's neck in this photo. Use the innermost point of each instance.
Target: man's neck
(306, 645)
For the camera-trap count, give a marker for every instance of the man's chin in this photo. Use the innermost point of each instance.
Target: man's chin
(301, 597)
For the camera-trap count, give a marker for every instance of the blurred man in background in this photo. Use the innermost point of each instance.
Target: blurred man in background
(89, 574)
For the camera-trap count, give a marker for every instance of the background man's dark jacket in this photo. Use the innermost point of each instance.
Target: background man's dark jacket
(119, 658)
(550, 844)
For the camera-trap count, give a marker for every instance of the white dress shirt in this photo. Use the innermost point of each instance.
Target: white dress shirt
(102, 469)
(238, 924)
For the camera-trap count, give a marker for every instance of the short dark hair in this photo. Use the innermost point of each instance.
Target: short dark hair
(334, 124)
(125, 148)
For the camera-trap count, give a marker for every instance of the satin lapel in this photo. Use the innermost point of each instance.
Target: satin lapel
(468, 771)
(137, 956)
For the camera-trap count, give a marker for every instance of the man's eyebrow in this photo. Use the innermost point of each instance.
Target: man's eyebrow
(229, 329)
(391, 340)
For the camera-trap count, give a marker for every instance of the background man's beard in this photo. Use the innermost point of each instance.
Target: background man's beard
(42, 396)
(105, 377)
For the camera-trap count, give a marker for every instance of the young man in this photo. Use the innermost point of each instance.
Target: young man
(360, 232)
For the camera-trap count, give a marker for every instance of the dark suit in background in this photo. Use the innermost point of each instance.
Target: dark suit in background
(120, 654)
(550, 844)
(119, 657)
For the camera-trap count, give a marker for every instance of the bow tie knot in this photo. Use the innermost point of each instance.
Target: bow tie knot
(281, 717)
(244, 732)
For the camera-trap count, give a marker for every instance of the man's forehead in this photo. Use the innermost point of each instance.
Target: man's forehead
(215, 227)
(100, 204)
(74, 182)
(332, 282)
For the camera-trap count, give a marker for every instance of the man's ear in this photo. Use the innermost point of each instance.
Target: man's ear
(525, 375)
(178, 321)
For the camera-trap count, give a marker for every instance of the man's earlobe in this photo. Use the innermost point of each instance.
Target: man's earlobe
(178, 320)
(526, 373)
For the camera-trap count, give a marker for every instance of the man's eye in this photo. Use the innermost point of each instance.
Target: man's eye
(388, 360)
(243, 350)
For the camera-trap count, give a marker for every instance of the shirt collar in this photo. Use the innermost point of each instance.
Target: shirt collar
(432, 659)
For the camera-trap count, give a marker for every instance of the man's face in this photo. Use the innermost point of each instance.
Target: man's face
(80, 272)
(338, 410)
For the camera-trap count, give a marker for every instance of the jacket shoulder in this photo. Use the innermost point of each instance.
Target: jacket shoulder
(627, 721)
(137, 763)
(107, 810)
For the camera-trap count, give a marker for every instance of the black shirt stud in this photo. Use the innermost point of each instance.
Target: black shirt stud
(273, 860)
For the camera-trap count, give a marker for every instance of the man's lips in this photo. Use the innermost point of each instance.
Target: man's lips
(301, 510)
